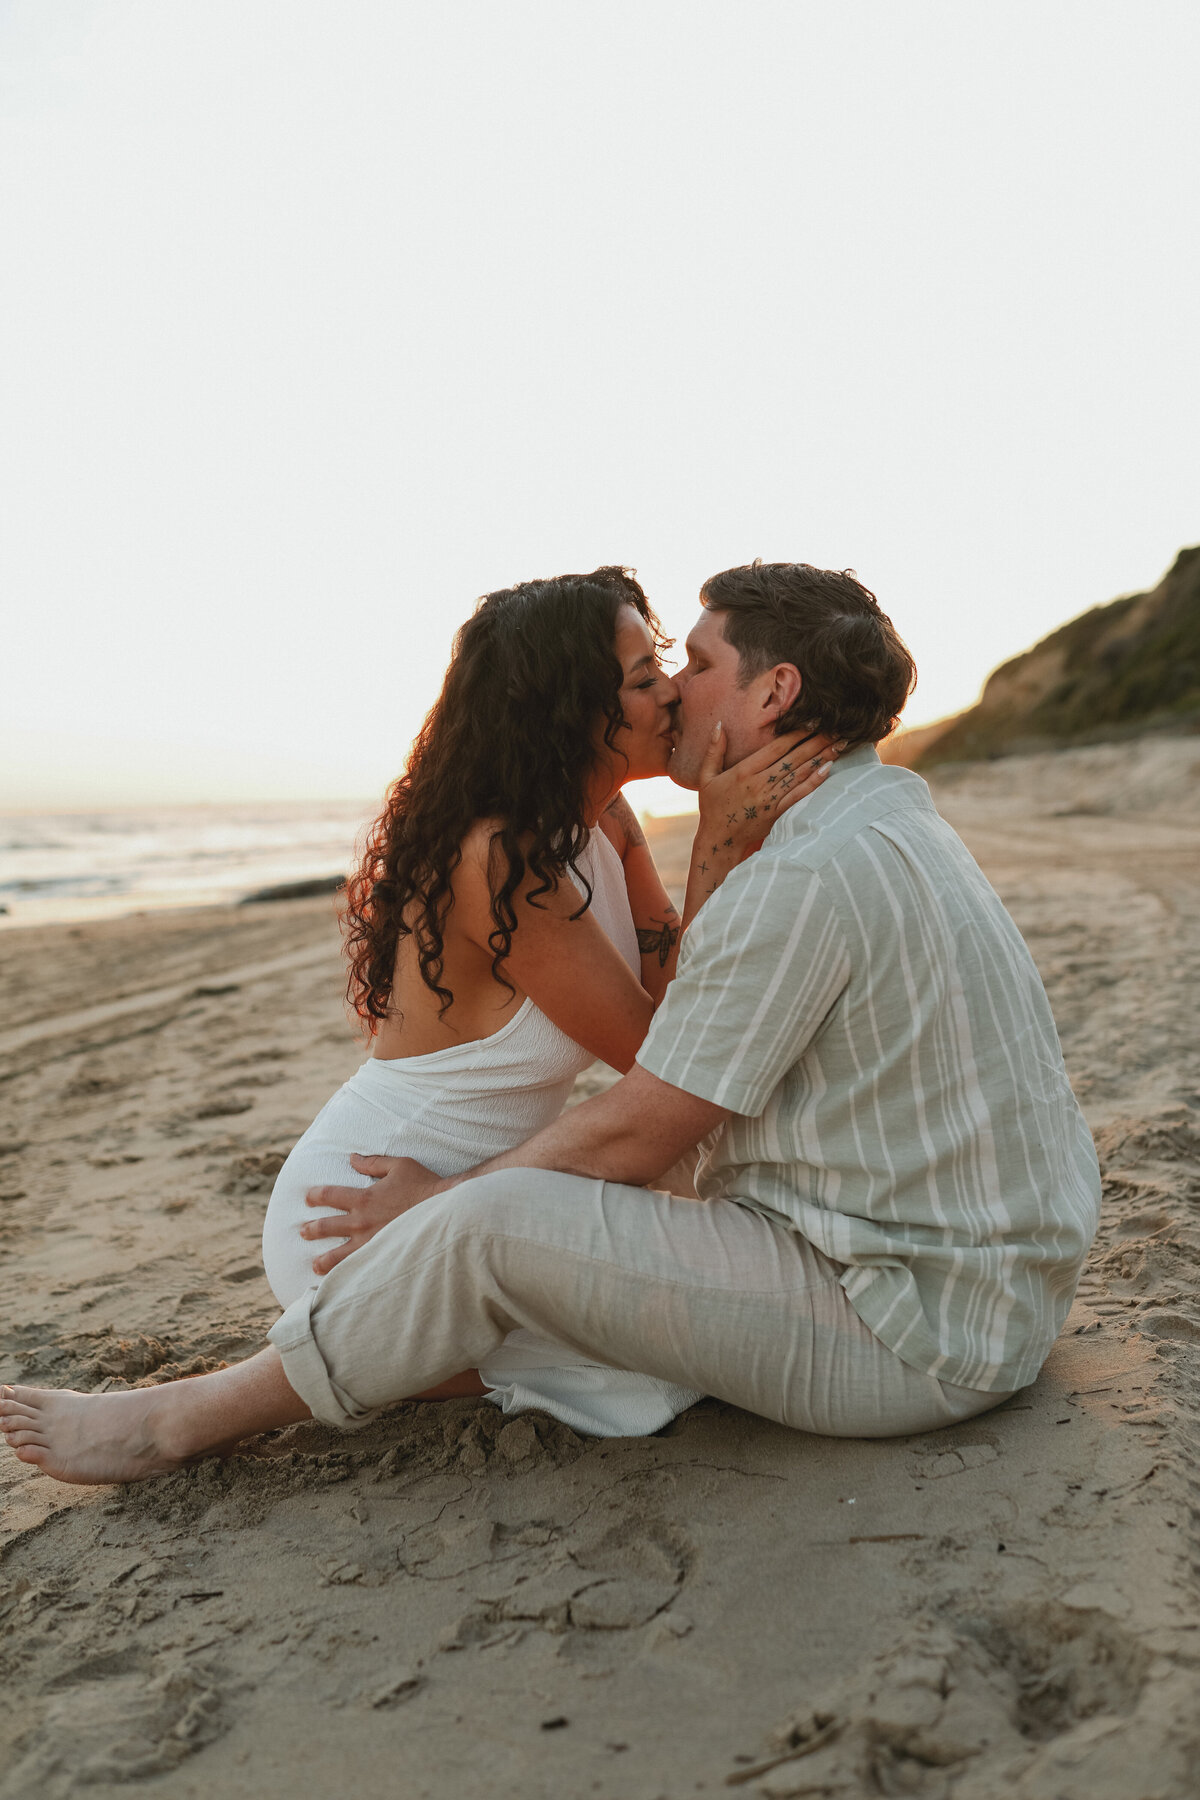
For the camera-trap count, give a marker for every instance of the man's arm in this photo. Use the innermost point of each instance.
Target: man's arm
(630, 1134)
(643, 1125)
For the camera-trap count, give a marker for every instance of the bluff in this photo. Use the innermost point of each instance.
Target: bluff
(1115, 671)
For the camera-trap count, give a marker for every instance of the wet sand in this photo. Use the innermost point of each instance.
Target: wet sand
(450, 1604)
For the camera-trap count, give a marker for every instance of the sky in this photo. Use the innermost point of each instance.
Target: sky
(320, 321)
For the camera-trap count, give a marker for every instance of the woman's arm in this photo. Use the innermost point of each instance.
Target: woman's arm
(738, 806)
(654, 916)
(568, 967)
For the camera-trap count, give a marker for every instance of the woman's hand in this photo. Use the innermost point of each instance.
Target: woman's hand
(743, 802)
(399, 1185)
(739, 805)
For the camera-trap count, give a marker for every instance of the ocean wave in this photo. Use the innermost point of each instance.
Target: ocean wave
(55, 887)
(169, 856)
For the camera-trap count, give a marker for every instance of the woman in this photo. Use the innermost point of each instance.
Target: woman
(506, 926)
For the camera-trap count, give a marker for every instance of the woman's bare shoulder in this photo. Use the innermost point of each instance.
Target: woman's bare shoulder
(474, 877)
(476, 846)
(484, 870)
(482, 851)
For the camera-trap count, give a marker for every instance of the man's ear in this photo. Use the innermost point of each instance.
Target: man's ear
(782, 690)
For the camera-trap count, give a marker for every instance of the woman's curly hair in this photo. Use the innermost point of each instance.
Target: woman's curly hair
(511, 737)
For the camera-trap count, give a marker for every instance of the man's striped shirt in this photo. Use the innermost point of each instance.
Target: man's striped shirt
(859, 999)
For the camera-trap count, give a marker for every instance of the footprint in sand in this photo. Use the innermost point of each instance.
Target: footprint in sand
(112, 1720)
(1044, 1693)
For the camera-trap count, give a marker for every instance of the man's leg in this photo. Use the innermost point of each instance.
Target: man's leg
(710, 1296)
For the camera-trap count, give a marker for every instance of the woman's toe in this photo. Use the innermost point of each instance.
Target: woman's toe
(25, 1434)
(32, 1453)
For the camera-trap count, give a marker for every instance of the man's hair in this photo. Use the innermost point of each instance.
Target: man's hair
(856, 671)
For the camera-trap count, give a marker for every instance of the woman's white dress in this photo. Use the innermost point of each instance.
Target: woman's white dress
(452, 1110)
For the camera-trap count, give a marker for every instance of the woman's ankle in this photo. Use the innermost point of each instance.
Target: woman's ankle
(201, 1412)
(175, 1418)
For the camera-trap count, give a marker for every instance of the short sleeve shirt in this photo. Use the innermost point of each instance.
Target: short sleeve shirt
(860, 1000)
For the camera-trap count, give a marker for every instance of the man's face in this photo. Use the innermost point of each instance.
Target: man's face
(709, 692)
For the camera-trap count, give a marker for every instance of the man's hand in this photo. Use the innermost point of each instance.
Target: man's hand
(631, 1133)
(399, 1185)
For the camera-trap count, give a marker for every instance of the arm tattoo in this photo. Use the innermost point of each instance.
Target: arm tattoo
(626, 818)
(659, 939)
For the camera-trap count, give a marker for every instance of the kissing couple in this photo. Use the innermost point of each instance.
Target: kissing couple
(896, 1188)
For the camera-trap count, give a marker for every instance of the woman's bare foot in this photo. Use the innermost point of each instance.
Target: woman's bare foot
(92, 1437)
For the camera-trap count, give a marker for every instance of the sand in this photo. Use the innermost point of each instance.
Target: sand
(447, 1604)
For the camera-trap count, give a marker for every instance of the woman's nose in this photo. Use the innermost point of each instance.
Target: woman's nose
(669, 690)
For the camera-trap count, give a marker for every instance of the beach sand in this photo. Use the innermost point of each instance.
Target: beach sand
(448, 1604)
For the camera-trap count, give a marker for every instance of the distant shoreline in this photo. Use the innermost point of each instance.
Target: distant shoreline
(1154, 775)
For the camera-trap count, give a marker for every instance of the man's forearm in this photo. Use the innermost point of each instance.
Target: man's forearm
(593, 1139)
(631, 1134)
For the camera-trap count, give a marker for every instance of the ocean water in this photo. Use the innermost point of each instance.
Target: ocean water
(59, 866)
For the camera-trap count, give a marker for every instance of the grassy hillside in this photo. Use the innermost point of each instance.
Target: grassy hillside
(1128, 667)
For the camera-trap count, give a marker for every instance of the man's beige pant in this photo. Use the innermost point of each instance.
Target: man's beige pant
(709, 1295)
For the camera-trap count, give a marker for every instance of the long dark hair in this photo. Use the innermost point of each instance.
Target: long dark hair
(510, 737)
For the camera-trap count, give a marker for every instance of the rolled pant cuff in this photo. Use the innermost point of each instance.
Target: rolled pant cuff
(304, 1366)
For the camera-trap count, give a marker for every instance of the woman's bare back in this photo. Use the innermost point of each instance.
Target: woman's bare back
(567, 965)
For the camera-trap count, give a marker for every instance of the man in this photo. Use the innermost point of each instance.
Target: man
(897, 1185)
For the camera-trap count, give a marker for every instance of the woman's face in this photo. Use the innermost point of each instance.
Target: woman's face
(648, 699)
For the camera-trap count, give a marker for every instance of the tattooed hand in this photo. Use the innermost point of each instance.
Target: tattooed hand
(739, 805)
(744, 801)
